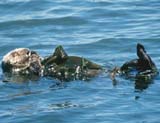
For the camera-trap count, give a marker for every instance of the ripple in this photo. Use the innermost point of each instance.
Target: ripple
(104, 31)
(66, 21)
(12, 1)
(64, 105)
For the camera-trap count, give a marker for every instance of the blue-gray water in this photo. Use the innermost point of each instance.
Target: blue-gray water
(104, 31)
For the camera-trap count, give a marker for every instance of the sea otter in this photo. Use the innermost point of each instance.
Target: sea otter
(24, 63)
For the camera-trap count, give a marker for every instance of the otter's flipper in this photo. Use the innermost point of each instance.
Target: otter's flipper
(144, 61)
(59, 56)
(141, 67)
(140, 50)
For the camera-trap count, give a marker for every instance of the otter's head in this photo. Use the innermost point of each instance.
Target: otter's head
(21, 60)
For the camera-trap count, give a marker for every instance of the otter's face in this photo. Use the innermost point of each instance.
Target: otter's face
(17, 57)
(20, 61)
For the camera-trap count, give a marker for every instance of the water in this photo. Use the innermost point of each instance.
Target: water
(104, 31)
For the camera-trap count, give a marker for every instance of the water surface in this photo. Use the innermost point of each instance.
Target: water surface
(104, 31)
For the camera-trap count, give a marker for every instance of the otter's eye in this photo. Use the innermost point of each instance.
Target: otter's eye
(28, 53)
(33, 52)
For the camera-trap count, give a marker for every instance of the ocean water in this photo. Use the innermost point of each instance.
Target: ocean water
(104, 31)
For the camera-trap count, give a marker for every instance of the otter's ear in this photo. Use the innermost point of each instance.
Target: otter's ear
(141, 52)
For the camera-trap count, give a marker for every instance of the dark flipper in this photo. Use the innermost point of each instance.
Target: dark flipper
(144, 61)
(141, 67)
(59, 56)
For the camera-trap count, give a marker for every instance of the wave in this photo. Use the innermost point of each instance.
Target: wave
(66, 21)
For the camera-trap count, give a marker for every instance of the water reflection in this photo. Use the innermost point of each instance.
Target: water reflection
(63, 105)
(142, 84)
(58, 85)
(19, 78)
